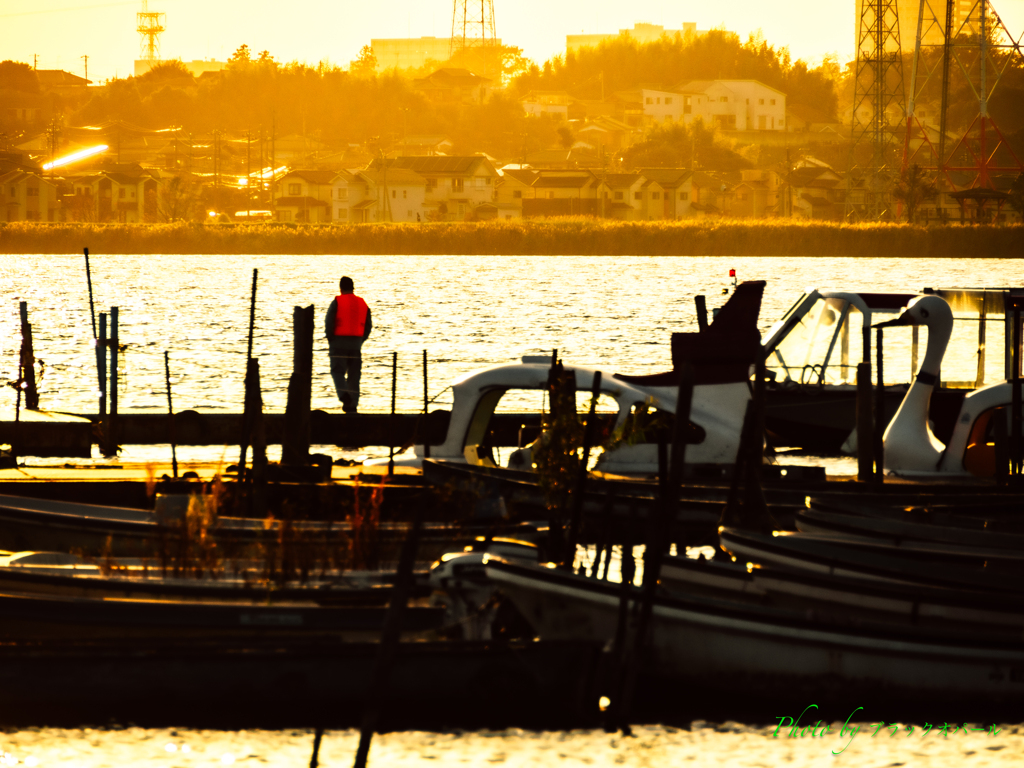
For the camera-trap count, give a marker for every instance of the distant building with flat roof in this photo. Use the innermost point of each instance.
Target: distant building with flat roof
(196, 67)
(641, 32)
(410, 52)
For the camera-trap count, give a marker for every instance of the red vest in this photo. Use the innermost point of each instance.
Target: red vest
(351, 317)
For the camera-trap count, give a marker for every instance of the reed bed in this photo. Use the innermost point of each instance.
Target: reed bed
(555, 236)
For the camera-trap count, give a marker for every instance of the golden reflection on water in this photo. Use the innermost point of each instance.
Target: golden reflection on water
(702, 744)
(468, 312)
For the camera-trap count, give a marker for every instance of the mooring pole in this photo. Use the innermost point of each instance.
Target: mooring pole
(1015, 401)
(28, 361)
(702, 312)
(391, 425)
(426, 412)
(659, 534)
(387, 650)
(88, 278)
(576, 516)
(246, 410)
(170, 416)
(111, 448)
(880, 420)
(101, 366)
(252, 314)
(865, 428)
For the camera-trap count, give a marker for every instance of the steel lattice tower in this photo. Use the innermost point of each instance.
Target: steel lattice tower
(879, 103)
(472, 25)
(150, 25)
(975, 50)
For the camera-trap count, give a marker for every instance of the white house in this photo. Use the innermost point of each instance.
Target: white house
(735, 105)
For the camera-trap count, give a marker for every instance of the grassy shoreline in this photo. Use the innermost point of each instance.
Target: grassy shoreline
(566, 236)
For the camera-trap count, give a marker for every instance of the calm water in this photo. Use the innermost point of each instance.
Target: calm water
(703, 744)
(467, 312)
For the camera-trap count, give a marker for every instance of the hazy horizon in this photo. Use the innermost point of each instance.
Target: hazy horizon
(61, 32)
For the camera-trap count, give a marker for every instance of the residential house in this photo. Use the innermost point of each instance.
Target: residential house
(818, 192)
(621, 196)
(555, 159)
(515, 185)
(20, 111)
(757, 194)
(353, 200)
(454, 85)
(553, 103)
(667, 192)
(398, 193)
(607, 132)
(297, 151)
(625, 107)
(712, 192)
(661, 106)
(425, 146)
(456, 187)
(734, 105)
(562, 193)
(807, 119)
(61, 83)
(305, 196)
(28, 196)
(125, 193)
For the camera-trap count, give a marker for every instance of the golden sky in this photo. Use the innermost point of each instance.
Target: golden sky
(60, 32)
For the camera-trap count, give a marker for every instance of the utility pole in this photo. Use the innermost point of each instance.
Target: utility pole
(273, 163)
(86, 60)
(248, 174)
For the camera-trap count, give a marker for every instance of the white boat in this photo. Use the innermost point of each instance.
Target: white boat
(721, 354)
(699, 640)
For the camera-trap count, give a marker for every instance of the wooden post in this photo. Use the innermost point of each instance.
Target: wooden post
(110, 434)
(170, 416)
(617, 652)
(702, 312)
(252, 313)
(979, 379)
(246, 415)
(1015, 402)
(296, 438)
(391, 425)
(390, 635)
(880, 420)
(28, 361)
(659, 534)
(101, 368)
(257, 437)
(865, 423)
(576, 516)
(88, 278)
(426, 411)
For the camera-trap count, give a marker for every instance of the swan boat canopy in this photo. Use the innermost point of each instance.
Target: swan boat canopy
(911, 447)
(813, 351)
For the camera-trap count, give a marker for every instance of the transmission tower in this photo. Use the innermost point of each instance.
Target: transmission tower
(962, 51)
(150, 25)
(878, 101)
(472, 25)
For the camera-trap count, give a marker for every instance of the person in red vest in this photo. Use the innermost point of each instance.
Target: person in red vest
(348, 324)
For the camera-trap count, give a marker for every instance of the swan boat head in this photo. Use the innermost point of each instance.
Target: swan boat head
(910, 445)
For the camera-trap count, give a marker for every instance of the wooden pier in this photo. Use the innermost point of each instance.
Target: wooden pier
(74, 435)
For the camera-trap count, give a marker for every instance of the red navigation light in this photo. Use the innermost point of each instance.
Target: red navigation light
(732, 273)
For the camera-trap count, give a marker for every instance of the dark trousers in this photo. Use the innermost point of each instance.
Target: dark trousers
(346, 369)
